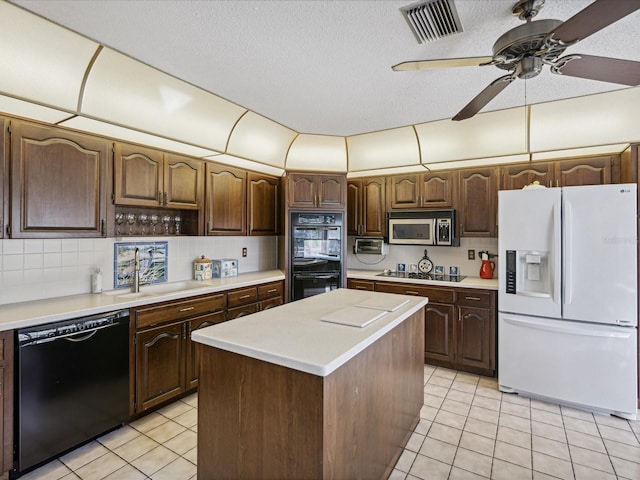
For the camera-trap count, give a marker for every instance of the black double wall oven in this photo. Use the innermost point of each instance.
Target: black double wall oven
(316, 253)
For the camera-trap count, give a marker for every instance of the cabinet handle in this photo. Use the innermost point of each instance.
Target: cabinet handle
(244, 296)
(461, 231)
(477, 299)
(187, 309)
(160, 198)
(102, 227)
(184, 331)
(271, 290)
(360, 287)
(411, 292)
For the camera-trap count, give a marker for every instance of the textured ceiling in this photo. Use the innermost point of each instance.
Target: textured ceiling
(324, 67)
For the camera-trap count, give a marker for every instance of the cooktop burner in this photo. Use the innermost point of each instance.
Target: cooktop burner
(423, 276)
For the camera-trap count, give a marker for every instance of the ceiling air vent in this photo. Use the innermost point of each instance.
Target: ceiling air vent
(432, 19)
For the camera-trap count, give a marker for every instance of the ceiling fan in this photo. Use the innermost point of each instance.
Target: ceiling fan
(524, 50)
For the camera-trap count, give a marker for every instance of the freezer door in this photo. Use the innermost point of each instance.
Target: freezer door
(599, 254)
(586, 365)
(529, 229)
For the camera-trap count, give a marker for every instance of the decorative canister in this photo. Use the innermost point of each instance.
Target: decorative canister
(202, 268)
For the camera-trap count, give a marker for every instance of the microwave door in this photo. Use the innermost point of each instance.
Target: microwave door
(405, 231)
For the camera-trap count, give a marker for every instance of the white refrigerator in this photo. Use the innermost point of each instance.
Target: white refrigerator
(567, 302)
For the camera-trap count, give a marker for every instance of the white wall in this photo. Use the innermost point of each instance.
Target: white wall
(44, 268)
(408, 254)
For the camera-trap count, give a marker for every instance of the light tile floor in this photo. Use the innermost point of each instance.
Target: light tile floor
(468, 430)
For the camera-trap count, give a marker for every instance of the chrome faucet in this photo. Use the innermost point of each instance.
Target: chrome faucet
(136, 272)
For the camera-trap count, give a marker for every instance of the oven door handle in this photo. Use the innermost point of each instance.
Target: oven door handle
(312, 277)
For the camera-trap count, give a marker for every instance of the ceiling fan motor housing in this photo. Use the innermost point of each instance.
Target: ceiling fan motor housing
(527, 44)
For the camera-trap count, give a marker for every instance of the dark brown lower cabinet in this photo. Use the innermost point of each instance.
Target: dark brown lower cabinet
(459, 324)
(165, 360)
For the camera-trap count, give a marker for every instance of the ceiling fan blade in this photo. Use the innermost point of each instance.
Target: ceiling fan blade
(596, 16)
(484, 97)
(604, 69)
(441, 63)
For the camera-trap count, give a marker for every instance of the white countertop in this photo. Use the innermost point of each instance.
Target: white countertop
(38, 312)
(468, 282)
(292, 335)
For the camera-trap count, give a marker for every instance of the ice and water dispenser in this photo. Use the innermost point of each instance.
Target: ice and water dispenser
(527, 273)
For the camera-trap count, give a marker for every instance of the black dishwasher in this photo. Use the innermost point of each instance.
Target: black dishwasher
(72, 384)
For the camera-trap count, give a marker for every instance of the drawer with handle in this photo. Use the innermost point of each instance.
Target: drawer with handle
(164, 312)
(270, 290)
(475, 298)
(439, 295)
(242, 296)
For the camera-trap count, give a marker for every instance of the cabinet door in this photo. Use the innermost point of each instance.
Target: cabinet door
(263, 204)
(137, 176)
(587, 171)
(160, 364)
(478, 202)
(301, 190)
(238, 312)
(474, 331)
(374, 219)
(272, 302)
(403, 191)
(193, 350)
(4, 175)
(183, 181)
(354, 208)
(517, 176)
(438, 333)
(437, 190)
(331, 191)
(58, 183)
(226, 191)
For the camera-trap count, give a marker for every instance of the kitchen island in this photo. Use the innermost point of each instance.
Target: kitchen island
(284, 394)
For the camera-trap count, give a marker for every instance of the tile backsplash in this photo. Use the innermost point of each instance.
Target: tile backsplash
(441, 256)
(44, 268)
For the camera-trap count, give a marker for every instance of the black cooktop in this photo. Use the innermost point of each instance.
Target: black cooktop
(423, 276)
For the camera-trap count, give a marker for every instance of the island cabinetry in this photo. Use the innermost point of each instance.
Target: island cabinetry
(226, 200)
(6, 402)
(427, 190)
(308, 190)
(263, 201)
(164, 362)
(58, 182)
(477, 204)
(248, 300)
(366, 207)
(258, 419)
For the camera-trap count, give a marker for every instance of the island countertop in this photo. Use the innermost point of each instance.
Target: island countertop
(294, 336)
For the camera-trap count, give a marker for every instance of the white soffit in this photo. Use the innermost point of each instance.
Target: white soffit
(491, 134)
(479, 162)
(128, 135)
(383, 149)
(261, 139)
(40, 60)
(123, 91)
(581, 152)
(20, 108)
(246, 164)
(600, 119)
(317, 153)
(388, 171)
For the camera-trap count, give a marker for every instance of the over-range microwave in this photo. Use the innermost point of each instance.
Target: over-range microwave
(423, 227)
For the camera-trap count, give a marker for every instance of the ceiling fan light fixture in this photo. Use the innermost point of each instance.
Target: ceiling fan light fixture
(529, 67)
(431, 20)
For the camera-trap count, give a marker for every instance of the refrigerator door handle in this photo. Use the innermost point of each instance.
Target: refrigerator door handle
(556, 245)
(573, 330)
(566, 253)
(532, 294)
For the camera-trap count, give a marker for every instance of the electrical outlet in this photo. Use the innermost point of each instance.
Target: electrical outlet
(471, 254)
(244, 251)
